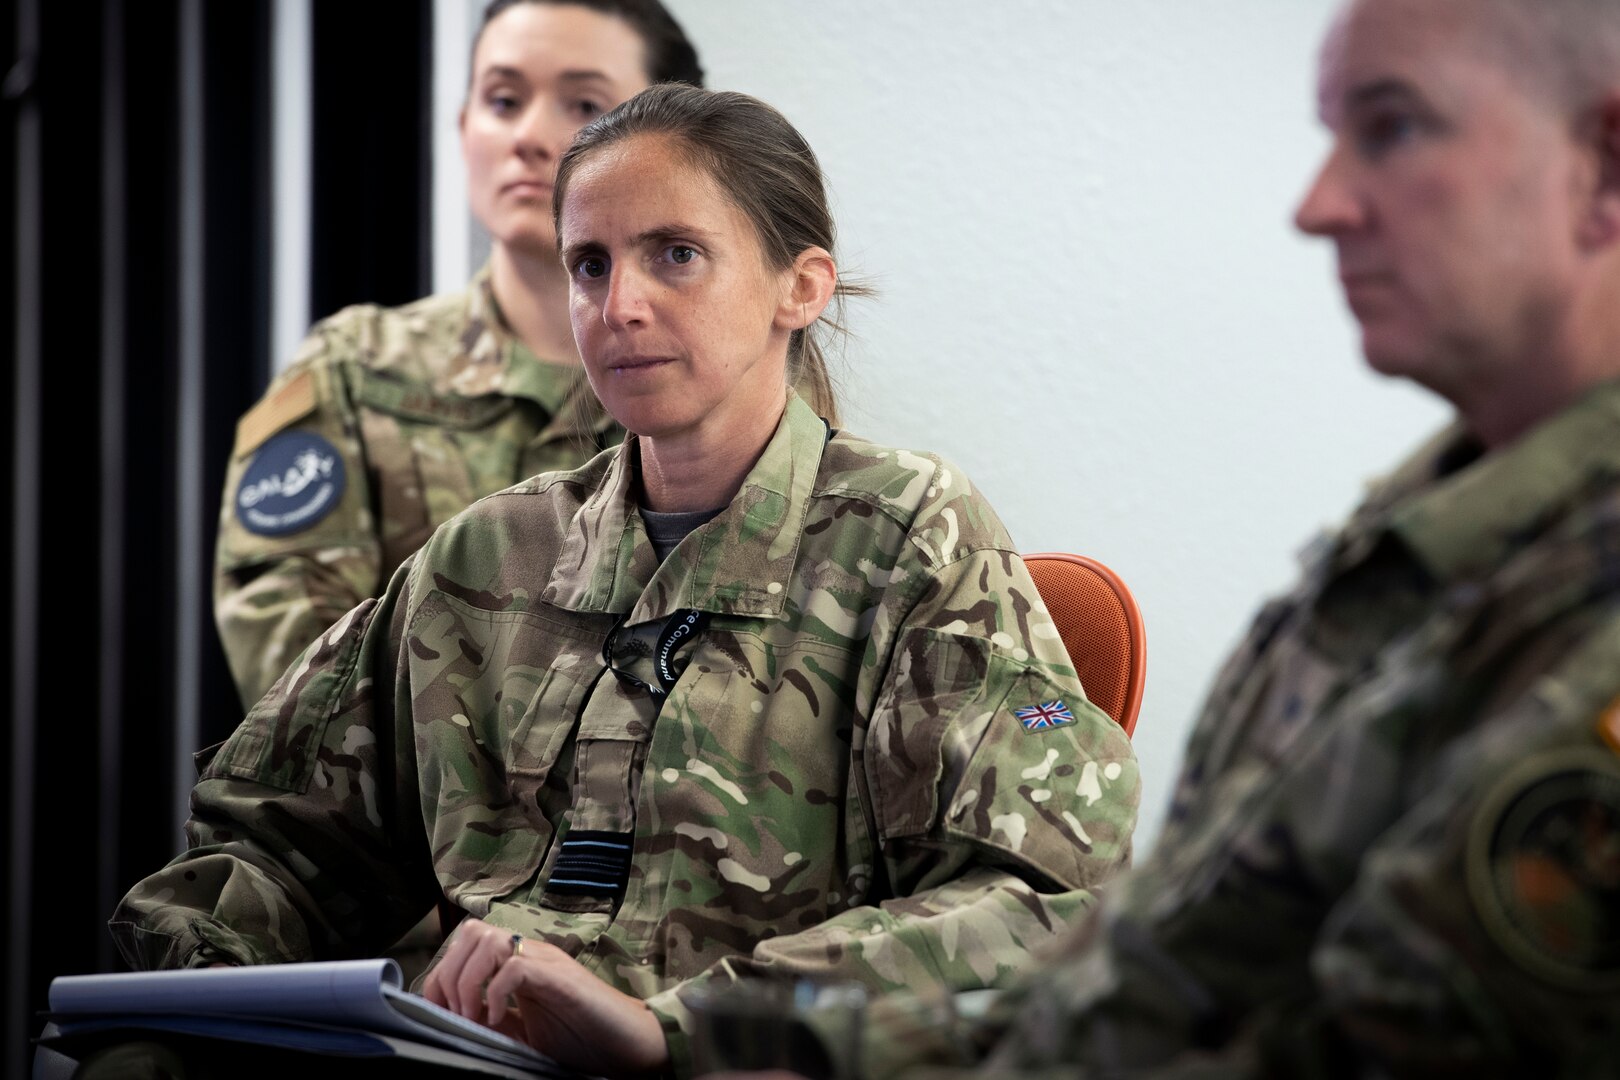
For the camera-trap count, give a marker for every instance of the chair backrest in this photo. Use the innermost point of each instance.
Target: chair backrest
(1101, 626)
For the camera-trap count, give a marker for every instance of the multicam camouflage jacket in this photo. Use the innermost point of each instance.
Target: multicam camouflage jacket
(875, 763)
(389, 422)
(1395, 844)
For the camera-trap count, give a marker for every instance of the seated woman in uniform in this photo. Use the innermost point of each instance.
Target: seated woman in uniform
(747, 694)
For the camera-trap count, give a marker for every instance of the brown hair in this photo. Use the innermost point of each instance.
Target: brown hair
(767, 169)
(670, 56)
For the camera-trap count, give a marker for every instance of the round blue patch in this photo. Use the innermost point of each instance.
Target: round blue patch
(295, 480)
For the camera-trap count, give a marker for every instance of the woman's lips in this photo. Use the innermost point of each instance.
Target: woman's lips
(532, 189)
(634, 365)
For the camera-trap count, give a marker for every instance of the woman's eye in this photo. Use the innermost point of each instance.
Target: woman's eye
(502, 104)
(590, 267)
(587, 110)
(680, 254)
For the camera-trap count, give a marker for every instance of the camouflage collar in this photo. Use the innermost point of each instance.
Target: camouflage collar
(494, 361)
(737, 564)
(1476, 516)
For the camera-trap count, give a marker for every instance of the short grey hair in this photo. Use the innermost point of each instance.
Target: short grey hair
(1569, 49)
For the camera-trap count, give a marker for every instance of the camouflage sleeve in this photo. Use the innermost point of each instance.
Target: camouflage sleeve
(305, 839)
(999, 795)
(297, 546)
(1473, 932)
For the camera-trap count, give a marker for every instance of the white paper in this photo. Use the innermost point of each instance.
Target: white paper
(362, 994)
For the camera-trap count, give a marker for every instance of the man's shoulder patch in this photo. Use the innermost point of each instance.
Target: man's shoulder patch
(1544, 867)
(292, 401)
(295, 480)
(1608, 725)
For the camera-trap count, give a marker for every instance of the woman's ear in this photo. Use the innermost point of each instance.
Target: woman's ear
(810, 284)
(1600, 223)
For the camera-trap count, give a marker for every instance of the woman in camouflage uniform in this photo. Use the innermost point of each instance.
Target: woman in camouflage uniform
(746, 695)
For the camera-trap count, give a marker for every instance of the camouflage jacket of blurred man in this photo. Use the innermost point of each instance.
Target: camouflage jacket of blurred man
(1395, 843)
(1394, 849)
(876, 762)
(389, 422)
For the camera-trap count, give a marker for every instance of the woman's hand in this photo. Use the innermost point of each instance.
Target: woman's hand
(540, 995)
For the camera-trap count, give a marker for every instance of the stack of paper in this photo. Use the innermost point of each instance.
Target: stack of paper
(337, 1007)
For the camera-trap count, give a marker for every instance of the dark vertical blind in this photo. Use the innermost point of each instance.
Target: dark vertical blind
(371, 122)
(135, 301)
(22, 545)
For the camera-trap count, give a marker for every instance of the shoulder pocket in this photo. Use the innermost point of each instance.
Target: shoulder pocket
(201, 759)
(931, 713)
(970, 744)
(426, 456)
(1051, 784)
(279, 742)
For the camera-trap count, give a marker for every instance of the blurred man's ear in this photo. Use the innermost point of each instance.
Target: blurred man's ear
(1601, 226)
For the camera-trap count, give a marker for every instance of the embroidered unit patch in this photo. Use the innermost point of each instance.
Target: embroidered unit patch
(1608, 725)
(294, 481)
(1544, 868)
(1046, 715)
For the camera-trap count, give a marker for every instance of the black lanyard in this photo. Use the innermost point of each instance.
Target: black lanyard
(677, 628)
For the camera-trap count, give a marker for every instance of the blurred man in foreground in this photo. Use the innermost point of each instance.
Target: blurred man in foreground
(1395, 844)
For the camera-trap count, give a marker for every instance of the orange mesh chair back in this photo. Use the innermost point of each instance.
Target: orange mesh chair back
(1101, 627)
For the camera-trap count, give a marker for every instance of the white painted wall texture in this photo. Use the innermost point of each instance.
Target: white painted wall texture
(1092, 300)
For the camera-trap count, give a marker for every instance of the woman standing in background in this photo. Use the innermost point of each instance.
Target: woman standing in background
(391, 420)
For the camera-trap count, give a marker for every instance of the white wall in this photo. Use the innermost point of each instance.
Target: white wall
(292, 64)
(1077, 212)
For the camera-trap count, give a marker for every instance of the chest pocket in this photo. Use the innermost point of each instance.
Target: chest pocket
(746, 794)
(430, 457)
(585, 874)
(497, 696)
(463, 462)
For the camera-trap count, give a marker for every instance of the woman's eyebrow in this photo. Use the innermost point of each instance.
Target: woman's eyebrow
(501, 71)
(570, 252)
(670, 232)
(657, 234)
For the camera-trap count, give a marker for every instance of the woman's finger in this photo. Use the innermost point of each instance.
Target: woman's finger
(433, 987)
(445, 983)
(440, 985)
(526, 969)
(483, 952)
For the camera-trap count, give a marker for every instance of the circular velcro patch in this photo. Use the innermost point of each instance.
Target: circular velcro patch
(294, 481)
(1544, 867)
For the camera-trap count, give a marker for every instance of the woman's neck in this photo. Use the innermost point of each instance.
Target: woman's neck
(533, 295)
(703, 469)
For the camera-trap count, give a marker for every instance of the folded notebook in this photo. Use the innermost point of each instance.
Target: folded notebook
(346, 995)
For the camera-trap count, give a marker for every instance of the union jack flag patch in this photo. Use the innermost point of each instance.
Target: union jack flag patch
(1049, 714)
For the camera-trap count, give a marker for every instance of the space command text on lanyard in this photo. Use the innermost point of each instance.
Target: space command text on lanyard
(679, 627)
